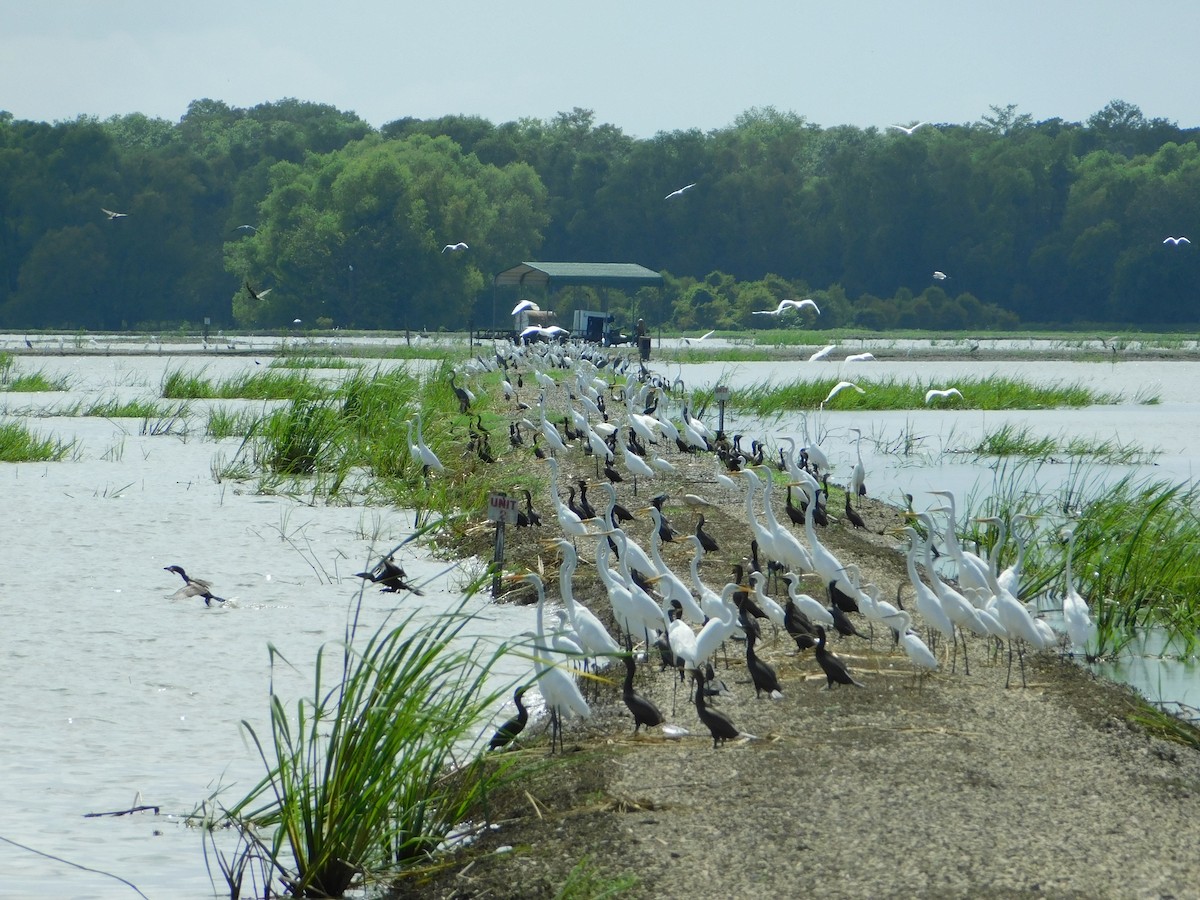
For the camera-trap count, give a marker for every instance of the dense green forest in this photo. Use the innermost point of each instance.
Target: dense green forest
(294, 210)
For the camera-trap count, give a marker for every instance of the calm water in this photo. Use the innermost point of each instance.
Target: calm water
(113, 693)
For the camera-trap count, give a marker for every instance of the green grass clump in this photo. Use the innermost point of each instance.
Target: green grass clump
(19, 444)
(1135, 558)
(361, 778)
(135, 409)
(35, 382)
(1021, 441)
(303, 438)
(180, 385)
(226, 423)
(768, 398)
(311, 361)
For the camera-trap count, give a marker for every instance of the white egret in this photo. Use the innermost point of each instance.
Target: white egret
(858, 477)
(928, 604)
(838, 388)
(785, 305)
(568, 521)
(669, 584)
(120, 215)
(941, 394)
(773, 610)
(1176, 241)
(454, 248)
(560, 691)
(1081, 628)
(679, 192)
(940, 276)
(860, 357)
(420, 450)
(594, 637)
(914, 648)
(908, 129)
(524, 305)
(810, 606)
(823, 353)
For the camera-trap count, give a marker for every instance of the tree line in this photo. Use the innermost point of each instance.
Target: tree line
(293, 210)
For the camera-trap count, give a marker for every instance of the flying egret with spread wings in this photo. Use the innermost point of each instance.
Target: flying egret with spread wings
(1176, 240)
(940, 394)
(785, 305)
(454, 248)
(838, 388)
(908, 129)
(680, 191)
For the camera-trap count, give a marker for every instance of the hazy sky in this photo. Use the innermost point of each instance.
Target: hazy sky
(646, 66)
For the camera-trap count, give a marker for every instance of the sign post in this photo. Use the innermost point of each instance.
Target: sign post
(722, 395)
(502, 510)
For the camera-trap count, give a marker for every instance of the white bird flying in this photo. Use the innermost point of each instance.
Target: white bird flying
(908, 129)
(861, 357)
(839, 387)
(679, 193)
(453, 248)
(938, 394)
(524, 305)
(788, 304)
(113, 215)
(940, 276)
(823, 353)
(702, 337)
(1176, 240)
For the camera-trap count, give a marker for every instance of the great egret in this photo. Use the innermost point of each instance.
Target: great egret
(928, 603)
(838, 388)
(858, 477)
(702, 337)
(785, 305)
(1176, 241)
(680, 191)
(454, 248)
(113, 215)
(420, 450)
(524, 305)
(940, 276)
(568, 521)
(593, 636)
(823, 353)
(669, 584)
(1081, 629)
(860, 357)
(941, 394)
(908, 129)
(560, 691)
(914, 648)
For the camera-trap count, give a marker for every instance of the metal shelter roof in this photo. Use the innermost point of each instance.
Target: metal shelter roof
(557, 274)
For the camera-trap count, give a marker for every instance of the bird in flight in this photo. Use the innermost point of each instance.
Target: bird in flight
(524, 305)
(113, 215)
(908, 129)
(838, 388)
(257, 295)
(454, 248)
(246, 228)
(679, 193)
(940, 276)
(1176, 241)
(861, 357)
(702, 337)
(823, 353)
(788, 304)
(937, 394)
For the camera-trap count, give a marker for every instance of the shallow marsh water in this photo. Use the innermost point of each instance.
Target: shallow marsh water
(114, 694)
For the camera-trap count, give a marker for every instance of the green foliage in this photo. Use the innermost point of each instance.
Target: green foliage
(1037, 222)
(362, 777)
(769, 398)
(19, 444)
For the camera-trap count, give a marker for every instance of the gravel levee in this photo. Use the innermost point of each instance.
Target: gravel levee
(951, 786)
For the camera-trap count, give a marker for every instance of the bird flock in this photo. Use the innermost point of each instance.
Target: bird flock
(645, 604)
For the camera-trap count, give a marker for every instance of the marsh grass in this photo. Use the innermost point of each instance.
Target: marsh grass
(1022, 441)
(135, 409)
(19, 444)
(269, 385)
(33, 382)
(311, 361)
(1135, 556)
(766, 398)
(363, 777)
(223, 422)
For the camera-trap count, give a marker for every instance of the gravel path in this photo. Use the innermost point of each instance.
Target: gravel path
(955, 786)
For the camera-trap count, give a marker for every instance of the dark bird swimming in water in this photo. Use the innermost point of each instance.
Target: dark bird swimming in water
(391, 577)
(193, 587)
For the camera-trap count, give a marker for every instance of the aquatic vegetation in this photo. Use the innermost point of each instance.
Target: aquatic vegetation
(311, 361)
(19, 444)
(1021, 440)
(770, 398)
(363, 778)
(223, 422)
(268, 385)
(32, 382)
(1135, 550)
(134, 409)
